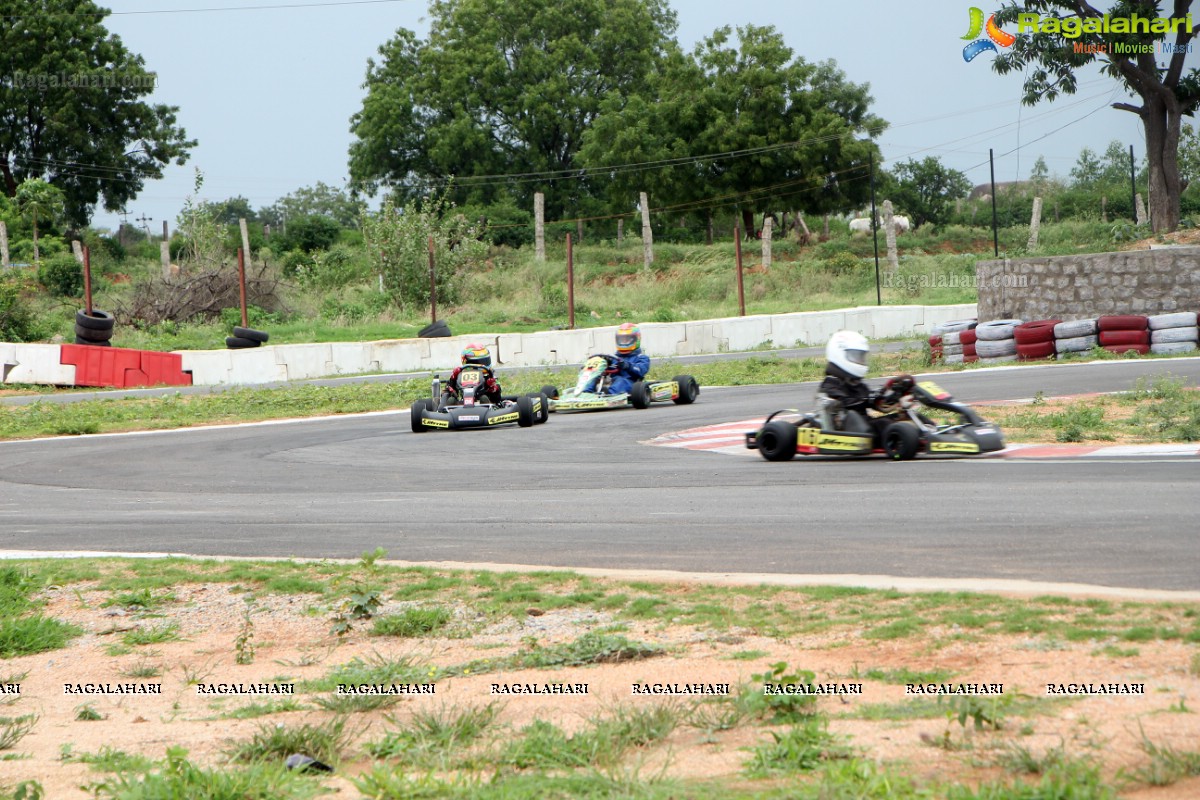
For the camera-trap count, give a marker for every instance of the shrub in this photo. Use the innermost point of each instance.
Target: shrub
(62, 276)
(17, 321)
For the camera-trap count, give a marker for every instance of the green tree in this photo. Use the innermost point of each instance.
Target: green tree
(228, 212)
(501, 88)
(39, 200)
(397, 239)
(71, 109)
(743, 123)
(320, 200)
(1051, 60)
(926, 189)
(1189, 155)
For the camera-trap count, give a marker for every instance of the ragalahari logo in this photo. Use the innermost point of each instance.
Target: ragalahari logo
(995, 36)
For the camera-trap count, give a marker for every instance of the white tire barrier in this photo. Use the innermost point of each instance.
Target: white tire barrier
(1173, 335)
(1179, 319)
(1076, 344)
(996, 330)
(988, 349)
(1075, 328)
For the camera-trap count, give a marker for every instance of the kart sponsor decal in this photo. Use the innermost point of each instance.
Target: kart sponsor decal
(569, 404)
(933, 389)
(436, 423)
(510, 417)
(811, 437)
(470, 377)
(664, 391)
(953, 447)
(468, 418)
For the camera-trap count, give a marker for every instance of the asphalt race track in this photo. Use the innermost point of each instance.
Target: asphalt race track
(582, 491)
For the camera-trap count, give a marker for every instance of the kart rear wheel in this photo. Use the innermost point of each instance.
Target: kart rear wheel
(777, 441)
(688, 390)
(417, 413)
(550, 391)
(526, 416)
(901, 441)
(639, 394)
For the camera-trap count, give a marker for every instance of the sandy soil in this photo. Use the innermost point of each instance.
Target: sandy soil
(291, 645)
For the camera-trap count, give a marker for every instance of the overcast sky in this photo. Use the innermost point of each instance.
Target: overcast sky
(269, 92)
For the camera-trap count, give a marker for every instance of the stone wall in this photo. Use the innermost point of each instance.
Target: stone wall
(1084, 286)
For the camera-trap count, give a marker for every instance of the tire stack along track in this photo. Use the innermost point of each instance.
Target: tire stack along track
(245, 338)
(94, 329)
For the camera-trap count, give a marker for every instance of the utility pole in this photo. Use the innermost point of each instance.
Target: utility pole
(146, 224)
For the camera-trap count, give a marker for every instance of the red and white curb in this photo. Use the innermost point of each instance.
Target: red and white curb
(730, 438)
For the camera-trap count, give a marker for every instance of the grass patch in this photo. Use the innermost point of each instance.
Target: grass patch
(108, 759)
(14, 729)
(1167, 765)
(378, 669)
(432, 738)
(179, 778)
(26, 635)
(159, 634)
(801, 748)
(412, 622)
(253, 710)
(591, 648)
(325, 741)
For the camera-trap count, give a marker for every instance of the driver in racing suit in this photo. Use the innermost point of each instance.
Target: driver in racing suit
(846, 354)
(631, 364)
(478, 355)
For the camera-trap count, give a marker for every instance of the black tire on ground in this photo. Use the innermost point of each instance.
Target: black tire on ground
(777, 441)
(417, 413)
(543, 413)
(251, 334)
(901, 441)
(91, 334)
(688, 390)
(639, 394)
(93, 344)
(525, 413)
(550, 391)
(434, 330)
(98, 321)
(238, 343)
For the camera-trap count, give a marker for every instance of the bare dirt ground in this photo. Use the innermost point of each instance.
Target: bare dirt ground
(293, 644)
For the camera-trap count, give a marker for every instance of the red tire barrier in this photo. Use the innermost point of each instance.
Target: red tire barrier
(1035, 350)
(1041, 330)
(969, 350)
(970, 359)
(1125, 348)
(967, 337)
(935, 340)
(1121, 337)
(1122, 322)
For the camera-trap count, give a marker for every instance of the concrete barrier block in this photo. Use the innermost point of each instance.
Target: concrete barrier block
(400, 355)
(351, 358)
(302, 361)
(662, 339)
(35, 363)
(573, 347)
(537, 348)
(935, 314)
(508, 349)
(744, 333)
(699, 338)
(208, 367)
(253, 366)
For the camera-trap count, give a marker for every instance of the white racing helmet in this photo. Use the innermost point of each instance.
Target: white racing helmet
(848, 350)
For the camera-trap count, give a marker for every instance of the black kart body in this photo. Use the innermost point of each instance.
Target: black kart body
(471, 410)
(901, 434)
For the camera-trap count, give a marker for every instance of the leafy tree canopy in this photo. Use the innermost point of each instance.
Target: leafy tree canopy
(1051, 57)
(926, 189)
(500, 88)
(321, 200)
(71, 110)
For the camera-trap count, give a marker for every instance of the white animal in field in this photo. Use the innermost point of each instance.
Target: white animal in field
(863, 225)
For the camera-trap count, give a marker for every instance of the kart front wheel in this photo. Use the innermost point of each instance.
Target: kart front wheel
(526, 416)
(543, 412)
(777, 441)
(639, 395)
(901, 441)
(418, 414)
(688, 389)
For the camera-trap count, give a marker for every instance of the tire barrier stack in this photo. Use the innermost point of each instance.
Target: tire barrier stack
(969, 339)
(1076, 336)
(1123, 333)
(1174, 333)
(995, 342)
(945, 341)
(434, 330)
(1035, 340)
(94, 329)
(245, 338)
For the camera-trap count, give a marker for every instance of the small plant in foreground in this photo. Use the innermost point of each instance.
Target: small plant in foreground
(14, 729)
(243, 645)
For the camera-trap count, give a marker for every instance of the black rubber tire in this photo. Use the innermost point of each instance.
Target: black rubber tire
(93, 344)
(525, 414)
(434, 330)
(417, 413)
(777, 441)
(98, 321)
(238, 343)
(550, 391)
(91, 334)
(639, 395)
(544, 413)
(689, 390)
(901, 441)
(251, 334)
